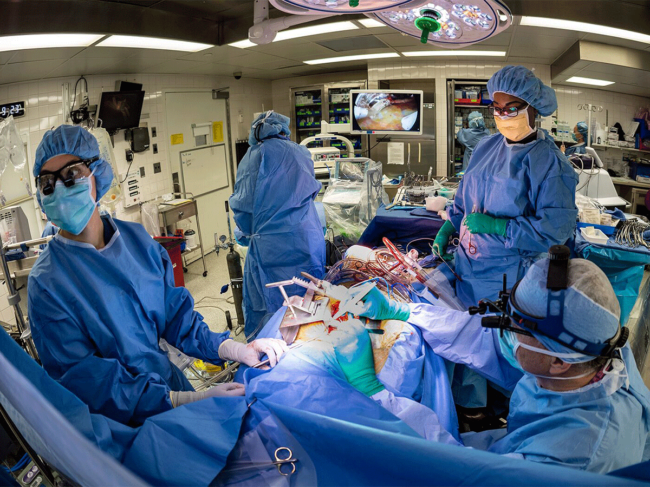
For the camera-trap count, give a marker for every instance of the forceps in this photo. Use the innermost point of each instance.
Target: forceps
(284, 462)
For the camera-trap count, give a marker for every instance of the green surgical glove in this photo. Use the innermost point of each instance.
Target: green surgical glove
(354, 354)
(377, 306)
(482, 223)
(442, 240)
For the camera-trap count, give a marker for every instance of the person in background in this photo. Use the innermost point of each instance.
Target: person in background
(471, 136)
(579, 400)
(580, 134)
(101, 296)
(273, 206)
(518, 197)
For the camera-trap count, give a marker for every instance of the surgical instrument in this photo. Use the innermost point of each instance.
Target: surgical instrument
(283, 456)
(446, 263)
(291, 347)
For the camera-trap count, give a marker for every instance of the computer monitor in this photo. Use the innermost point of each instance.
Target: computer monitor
(120, 110)
(394, 112)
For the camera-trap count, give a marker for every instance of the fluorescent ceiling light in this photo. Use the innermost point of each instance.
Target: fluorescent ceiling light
(153, 43)
(589, 81)
(370, 23)
(586, 28)
(40, 41)
(360, 57)
(313, 30)
(452, 52)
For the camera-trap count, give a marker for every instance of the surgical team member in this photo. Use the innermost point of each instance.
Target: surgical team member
(578, 399)
(580, 134)
(471, 136)
(274, 208)
(102, 295)
(517, 197)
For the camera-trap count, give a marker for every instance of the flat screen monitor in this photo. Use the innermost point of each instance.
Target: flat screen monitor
(120, 109)
(386, 112)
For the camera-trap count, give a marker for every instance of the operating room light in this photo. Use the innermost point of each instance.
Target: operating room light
(371, 23)
(454, 53)
(286, 35)
(589, 81)
(153, 43)
(337, 6)
(41, 41)
(359, 57)
(584, 27)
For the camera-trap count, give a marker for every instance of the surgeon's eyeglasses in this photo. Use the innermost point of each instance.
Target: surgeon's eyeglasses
(516, 328)
(509, 112)
(46, 182)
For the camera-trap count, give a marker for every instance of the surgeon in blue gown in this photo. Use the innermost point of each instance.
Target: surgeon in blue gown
(587, 410)
(102, 296)
(273, 206)
(517, 197)
(580, 134)
(471, 136)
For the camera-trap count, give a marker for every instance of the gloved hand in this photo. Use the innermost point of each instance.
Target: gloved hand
(229, 389)
(354, 354)
(442, 240)
(482, 223)
(376, 306)
(250, 353)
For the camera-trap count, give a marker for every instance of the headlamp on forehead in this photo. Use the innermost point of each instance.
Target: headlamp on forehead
(509, 316)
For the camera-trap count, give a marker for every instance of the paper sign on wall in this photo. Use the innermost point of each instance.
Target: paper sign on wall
(177, 139)
(217, 132)
(396, 153)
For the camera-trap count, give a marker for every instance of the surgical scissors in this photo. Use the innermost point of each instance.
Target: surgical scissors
(283, 456)
(471, 248)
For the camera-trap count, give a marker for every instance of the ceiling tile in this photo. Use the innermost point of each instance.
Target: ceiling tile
(11, 73)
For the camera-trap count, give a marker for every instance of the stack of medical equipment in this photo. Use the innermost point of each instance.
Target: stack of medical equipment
(595, 182)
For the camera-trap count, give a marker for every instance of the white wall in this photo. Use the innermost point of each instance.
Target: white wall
(616, 107)
(44, 110)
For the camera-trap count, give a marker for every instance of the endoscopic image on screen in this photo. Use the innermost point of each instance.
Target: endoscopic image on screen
(395, 112)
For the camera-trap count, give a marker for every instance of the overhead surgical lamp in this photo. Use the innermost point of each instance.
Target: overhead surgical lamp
(448, 24)
(307, 7)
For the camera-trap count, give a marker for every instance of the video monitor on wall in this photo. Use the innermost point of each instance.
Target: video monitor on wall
(386, 112)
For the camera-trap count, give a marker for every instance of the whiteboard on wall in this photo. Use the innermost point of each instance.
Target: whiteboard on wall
(204, 170)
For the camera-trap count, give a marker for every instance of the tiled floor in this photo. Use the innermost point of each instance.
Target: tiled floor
(204, 289)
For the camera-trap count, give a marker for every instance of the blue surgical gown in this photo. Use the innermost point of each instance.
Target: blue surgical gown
(97, 317)
(470, 138)
(533, 186)
(600, 427)
(273, 206)
(575, 149)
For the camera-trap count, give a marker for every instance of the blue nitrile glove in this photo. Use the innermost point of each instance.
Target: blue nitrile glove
(354, 354)
(442, 240)
(482, 223)
(376, 306)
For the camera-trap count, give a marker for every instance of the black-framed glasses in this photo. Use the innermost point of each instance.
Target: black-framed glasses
(509, 112)
(68, 174)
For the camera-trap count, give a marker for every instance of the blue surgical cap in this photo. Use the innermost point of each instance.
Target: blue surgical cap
(591, 309)
(267, 125)
(583, 129)
(476, 120)
(521, 82)
(75, 141)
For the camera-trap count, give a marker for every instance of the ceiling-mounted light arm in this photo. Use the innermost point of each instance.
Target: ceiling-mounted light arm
(264, 29)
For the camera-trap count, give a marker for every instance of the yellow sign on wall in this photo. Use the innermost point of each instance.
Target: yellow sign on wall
(217, 132)
(177, 139)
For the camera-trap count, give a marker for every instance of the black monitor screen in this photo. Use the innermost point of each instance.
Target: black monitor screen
(120, 109)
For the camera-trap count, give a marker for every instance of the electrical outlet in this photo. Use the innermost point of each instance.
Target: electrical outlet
(153, 132)
(156, 168)
(142, 172)
(155, 148)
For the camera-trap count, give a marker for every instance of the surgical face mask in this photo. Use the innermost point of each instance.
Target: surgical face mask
(515, 128)
(574, 137)
(508, 343)
(70, 208)
(561, 356)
